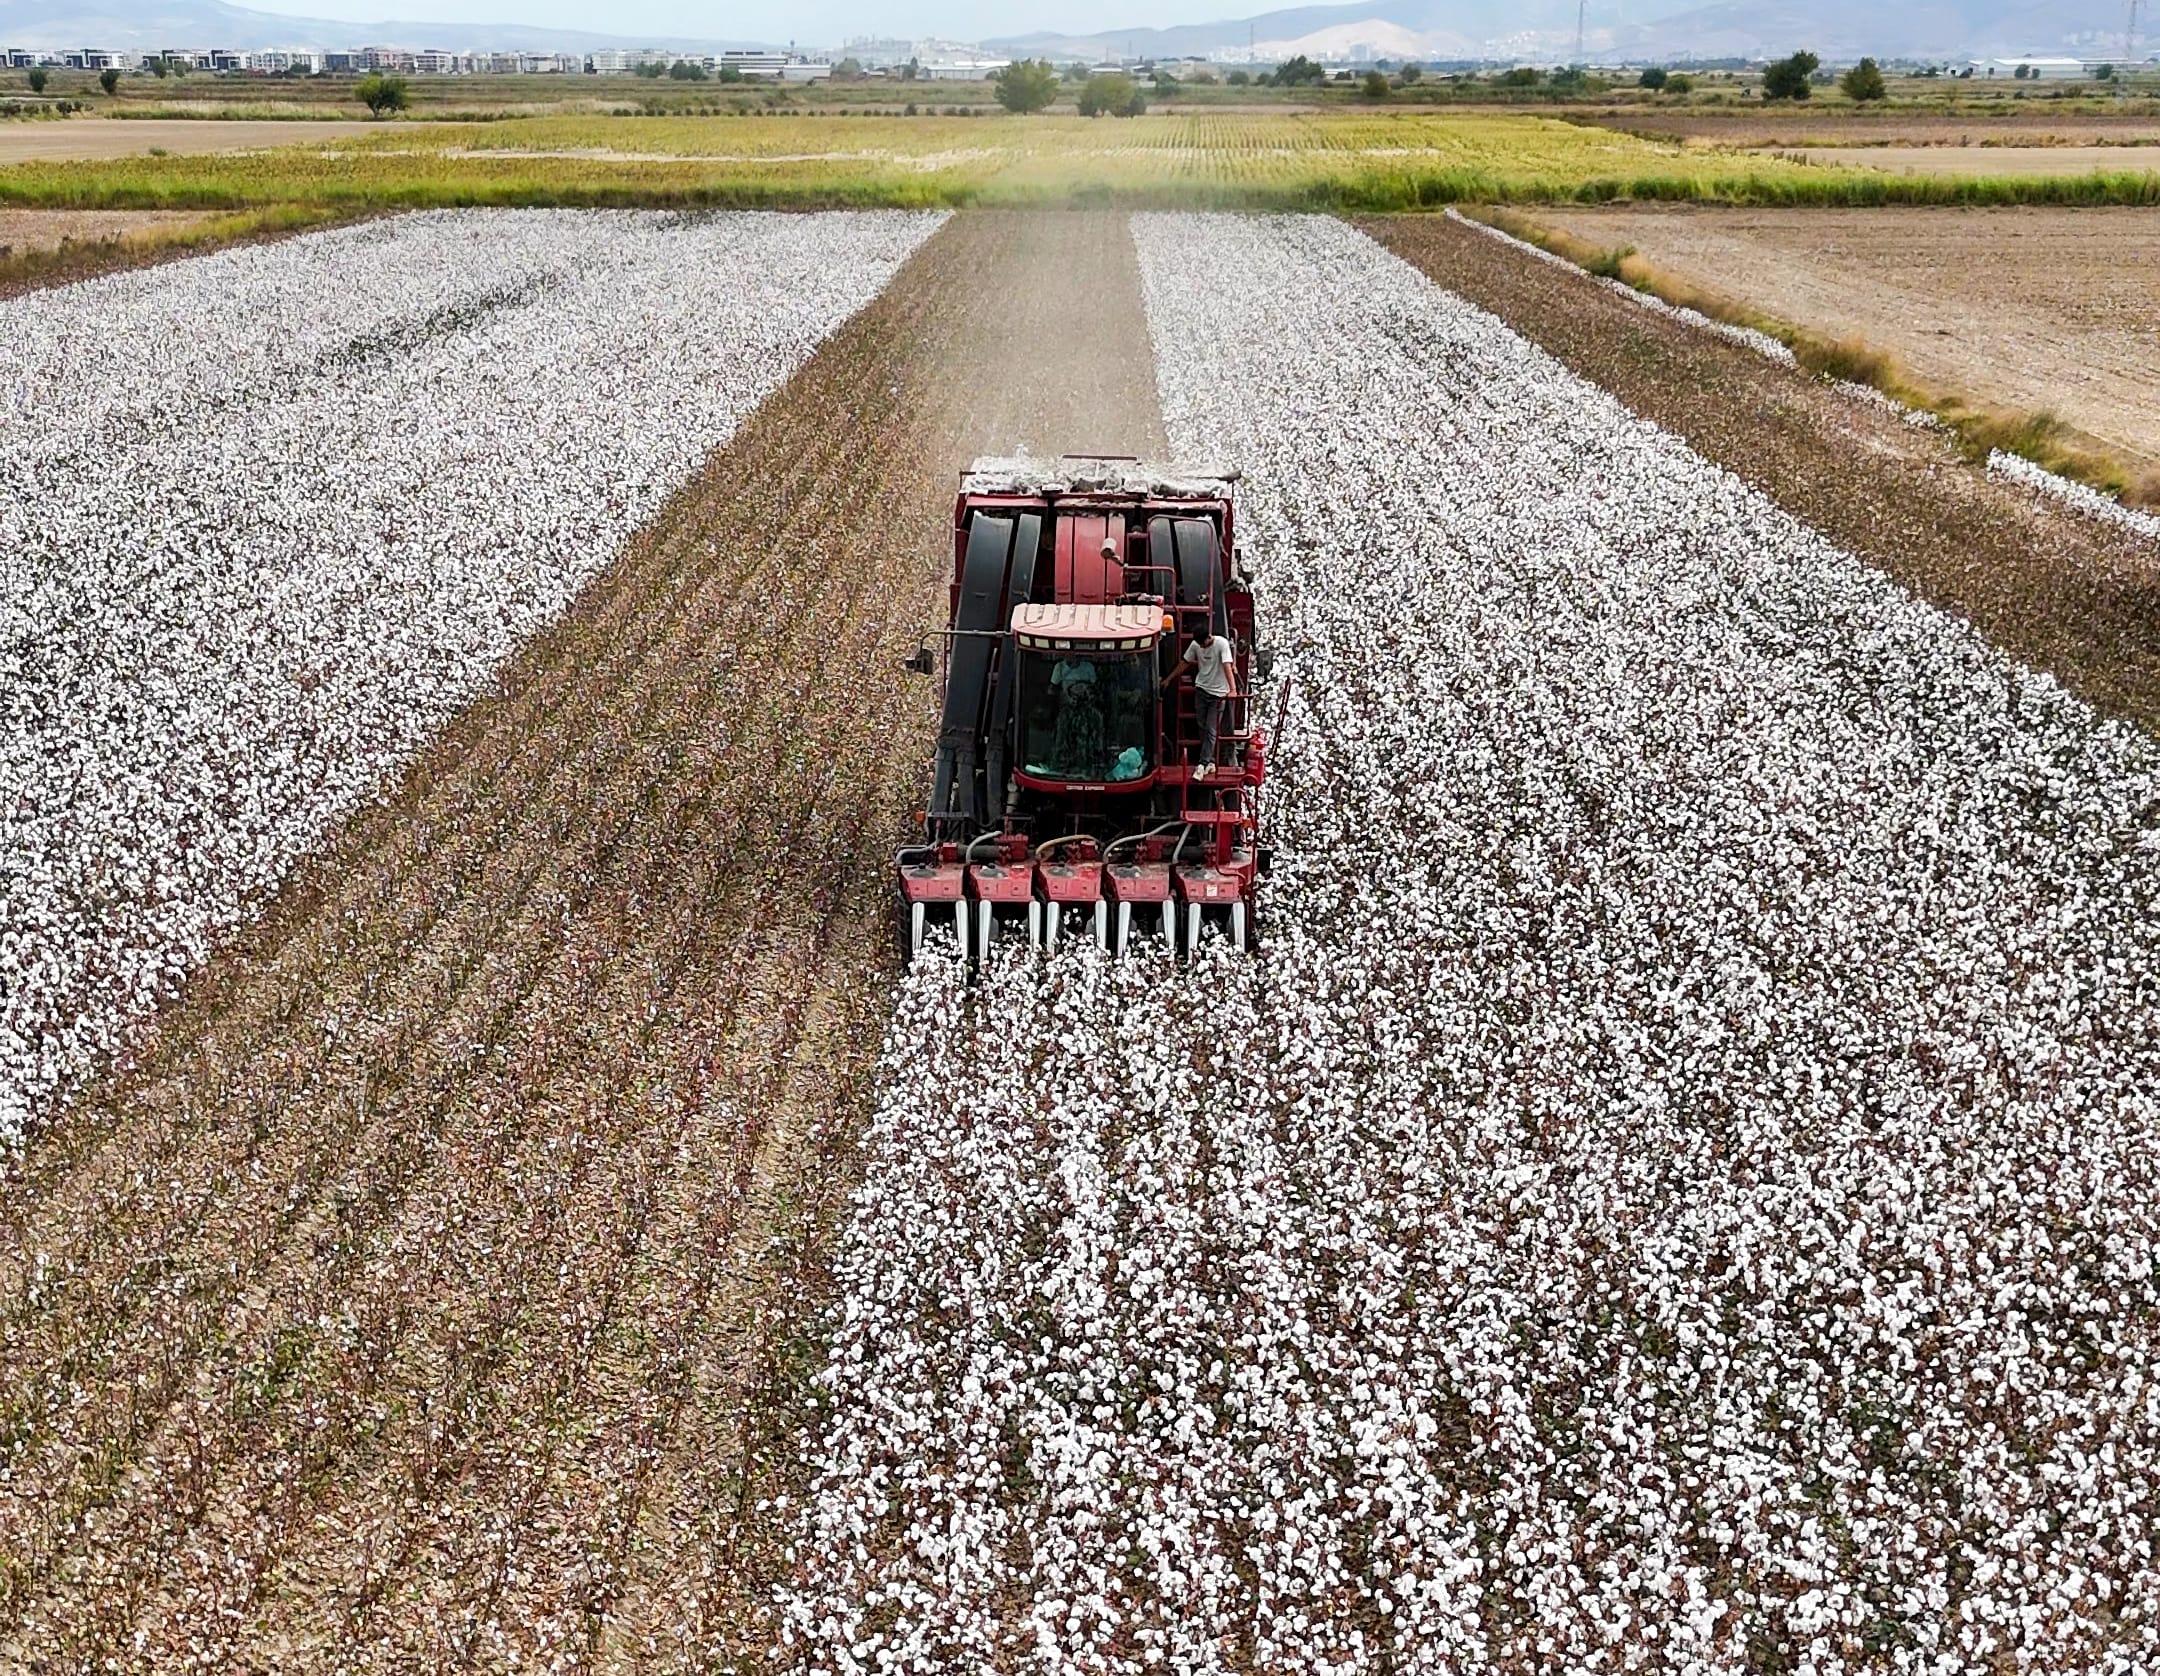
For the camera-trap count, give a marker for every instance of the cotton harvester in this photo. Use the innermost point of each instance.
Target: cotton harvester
(1070, 795)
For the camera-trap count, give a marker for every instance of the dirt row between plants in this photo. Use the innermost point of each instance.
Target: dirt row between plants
(435, 1290)
(2056, 590)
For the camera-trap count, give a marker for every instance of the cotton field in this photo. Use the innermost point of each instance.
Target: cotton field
(269, 516)
(1678, 1191)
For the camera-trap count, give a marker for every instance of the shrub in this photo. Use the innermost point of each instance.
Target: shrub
(382, 94)
(1654, 79)
(1240, 78)
(1682, 84)
(730, 73)
(1788, 77)
(651, 71)
(1411, 75)
(1110, 95)
(1300, 72)
(683, 70)
(38, 79)
(109, 80)
(1522, 76)
(1026, 86)
(1863, 83)
(1376, 85)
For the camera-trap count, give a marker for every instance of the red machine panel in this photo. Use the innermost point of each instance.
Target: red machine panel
(1084, 576)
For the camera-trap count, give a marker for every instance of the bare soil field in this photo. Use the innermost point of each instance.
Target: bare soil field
(2058, 592)
(1989, 159)
(93, 137)
(2037, 310)
(24, 230)
(427, 1292)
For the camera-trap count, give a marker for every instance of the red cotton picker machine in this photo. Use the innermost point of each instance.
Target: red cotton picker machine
(1093, 775)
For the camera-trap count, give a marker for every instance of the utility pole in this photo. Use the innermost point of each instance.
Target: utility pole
(2130, 33)
(1582, 16)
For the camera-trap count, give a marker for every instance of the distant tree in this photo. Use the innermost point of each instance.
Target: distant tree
(2022, 72)
(109, 79)
(1239, 78)
(156, 66)
(1299, 72)
(2106, 72)
(1863, 83)
(650, 68)
(908, 109)
(684, 69)
(848, 69)
(910, 70)
(1376, 85)
(1411, 74)
(1679, 84)
(1108, 95)
(1788, 77)
(1164, 83)
(1522, 76)
(729, 73)
(38, 79)
(1029, 84)
(1654, 79)
(382, 94)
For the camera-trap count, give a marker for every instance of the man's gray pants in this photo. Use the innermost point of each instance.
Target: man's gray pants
(1210, 713)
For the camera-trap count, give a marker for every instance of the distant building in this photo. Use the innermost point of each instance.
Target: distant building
(2039, 67)
(959, 69)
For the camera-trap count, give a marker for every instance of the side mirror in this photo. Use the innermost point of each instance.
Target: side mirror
(1263, 664)
(924, 662)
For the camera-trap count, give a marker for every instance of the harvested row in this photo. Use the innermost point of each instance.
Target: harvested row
(271, 517)
(430, 1291)
(1679, 1189)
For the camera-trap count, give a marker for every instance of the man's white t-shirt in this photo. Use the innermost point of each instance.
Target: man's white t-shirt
(1212, 661)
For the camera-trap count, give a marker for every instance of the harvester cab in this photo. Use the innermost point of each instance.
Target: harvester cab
(1072, 793)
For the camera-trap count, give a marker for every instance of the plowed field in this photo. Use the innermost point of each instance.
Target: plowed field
(2038, 310)
(409, 1303)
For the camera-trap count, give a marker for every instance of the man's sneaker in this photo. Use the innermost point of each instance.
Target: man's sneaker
(1203, 771)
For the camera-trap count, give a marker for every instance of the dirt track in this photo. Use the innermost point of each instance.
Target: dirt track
(2057, 591)
(422, 1295)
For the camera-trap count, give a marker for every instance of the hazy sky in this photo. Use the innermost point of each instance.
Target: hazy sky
(811, 21)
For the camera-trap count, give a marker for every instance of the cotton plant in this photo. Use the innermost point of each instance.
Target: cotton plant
(271, 516)
(1676, 1190)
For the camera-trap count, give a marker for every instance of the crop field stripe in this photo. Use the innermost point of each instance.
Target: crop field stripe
(1680, 1182)
(2056, 591)
(434, 1225)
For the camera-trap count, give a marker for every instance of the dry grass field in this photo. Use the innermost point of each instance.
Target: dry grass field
(1987, 159)
(2036, 310)
(1896, 126)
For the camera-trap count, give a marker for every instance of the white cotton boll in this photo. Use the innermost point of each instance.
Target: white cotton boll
(363, 503)
(1679, 1177)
